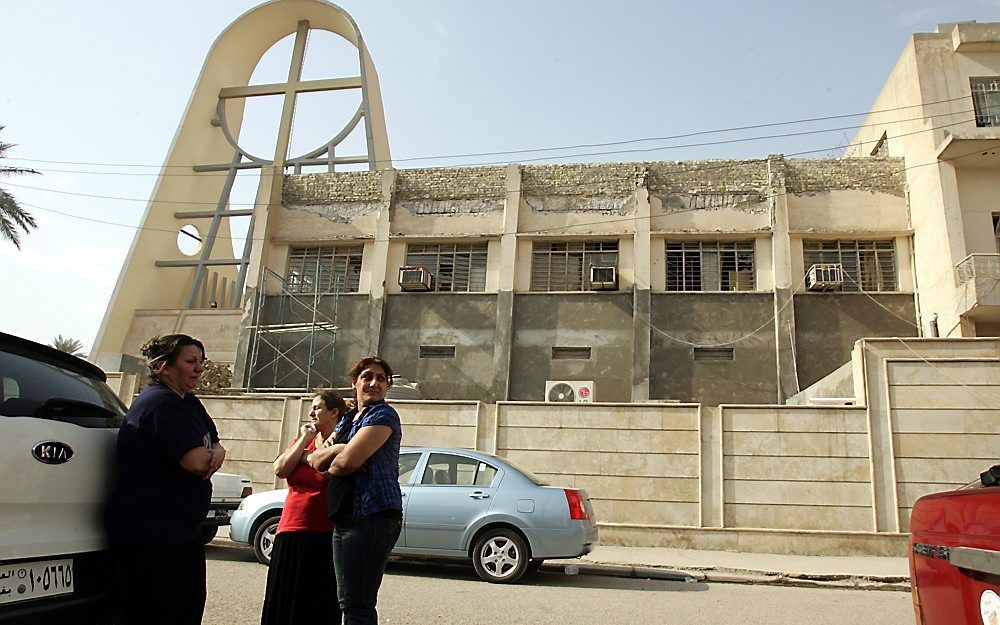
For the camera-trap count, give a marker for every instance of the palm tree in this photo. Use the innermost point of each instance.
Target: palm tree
(68, 345)
(13, 216)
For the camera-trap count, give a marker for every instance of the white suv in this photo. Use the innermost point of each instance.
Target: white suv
(58, 424)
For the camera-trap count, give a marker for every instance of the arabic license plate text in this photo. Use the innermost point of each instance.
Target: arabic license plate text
(31, 580)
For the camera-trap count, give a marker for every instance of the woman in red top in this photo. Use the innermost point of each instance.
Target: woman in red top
(301, 560)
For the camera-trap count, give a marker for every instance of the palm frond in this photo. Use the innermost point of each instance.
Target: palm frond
(12, 217)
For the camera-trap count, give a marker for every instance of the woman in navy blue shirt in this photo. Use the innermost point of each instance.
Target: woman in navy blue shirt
(167, 450)
(363, 539)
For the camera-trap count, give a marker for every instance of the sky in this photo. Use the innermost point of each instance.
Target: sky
(92, 93)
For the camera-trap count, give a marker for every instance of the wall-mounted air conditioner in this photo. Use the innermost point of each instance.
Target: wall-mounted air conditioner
(603, 278)
(569, 391)
(415, 279)
(825, 277)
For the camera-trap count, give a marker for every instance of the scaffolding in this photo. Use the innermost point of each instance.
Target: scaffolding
(296, 325)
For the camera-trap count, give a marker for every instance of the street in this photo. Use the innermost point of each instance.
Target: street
(418, 592)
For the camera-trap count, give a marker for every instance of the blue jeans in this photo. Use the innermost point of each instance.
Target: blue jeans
(361, 549)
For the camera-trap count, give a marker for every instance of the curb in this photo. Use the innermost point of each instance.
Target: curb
(726, 576)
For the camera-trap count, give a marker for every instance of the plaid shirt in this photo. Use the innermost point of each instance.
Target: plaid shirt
(377, 489)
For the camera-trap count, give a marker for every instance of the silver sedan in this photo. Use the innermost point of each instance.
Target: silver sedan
(463, 504)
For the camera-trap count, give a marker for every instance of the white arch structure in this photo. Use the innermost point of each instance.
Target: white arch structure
(156, 275)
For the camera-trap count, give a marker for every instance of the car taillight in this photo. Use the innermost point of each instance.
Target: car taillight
(577, 508)
(247, 491)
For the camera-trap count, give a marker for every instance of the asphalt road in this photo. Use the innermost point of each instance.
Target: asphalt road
(423, 593)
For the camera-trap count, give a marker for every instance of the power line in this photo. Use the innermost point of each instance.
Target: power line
(575, 146)
(724, 165)
(540, 230)
(645, 319)
(545, 158)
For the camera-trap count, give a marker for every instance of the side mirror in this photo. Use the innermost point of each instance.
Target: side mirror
(991, 476)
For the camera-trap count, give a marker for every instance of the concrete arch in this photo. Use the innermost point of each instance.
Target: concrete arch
(153, 276)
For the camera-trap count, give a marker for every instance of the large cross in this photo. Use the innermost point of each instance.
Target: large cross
(324, 155)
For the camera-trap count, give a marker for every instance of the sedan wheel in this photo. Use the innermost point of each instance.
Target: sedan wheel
(500, 556)
(263, 540)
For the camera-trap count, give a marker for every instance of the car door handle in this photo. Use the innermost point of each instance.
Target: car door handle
(479, 495)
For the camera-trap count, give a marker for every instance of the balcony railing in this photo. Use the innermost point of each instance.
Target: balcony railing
(982, 266)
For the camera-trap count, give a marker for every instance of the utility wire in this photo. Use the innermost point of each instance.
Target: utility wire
(724, 165)
(645, 319)
(575, 146)
(539, 230)
(544, 158)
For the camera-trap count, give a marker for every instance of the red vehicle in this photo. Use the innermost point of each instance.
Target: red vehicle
(955, 555)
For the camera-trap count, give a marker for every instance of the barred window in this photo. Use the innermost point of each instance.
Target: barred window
(325, 269)
(868, 264)
(565, 266)
(457, 267)
(986, 101)
(710, 265)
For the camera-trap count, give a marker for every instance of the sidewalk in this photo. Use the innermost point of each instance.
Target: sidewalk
(859, 572)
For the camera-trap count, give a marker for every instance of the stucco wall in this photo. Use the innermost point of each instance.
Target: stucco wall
(710, 319)
(828, 324)
(638, 463)
(466, 321)
(796, 468)
(602, 322)
(978, 189)
(943, 432)
(251, 430)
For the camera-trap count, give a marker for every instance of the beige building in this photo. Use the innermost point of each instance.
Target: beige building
(704, 281)
(698, 322)
(940, 111)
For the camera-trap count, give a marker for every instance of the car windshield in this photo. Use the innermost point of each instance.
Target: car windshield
(34, 388)
(537, 481)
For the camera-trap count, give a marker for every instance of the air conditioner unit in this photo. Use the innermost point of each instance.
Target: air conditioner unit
(569, 391)
(603, 278)
(415, 279)
(825, 277)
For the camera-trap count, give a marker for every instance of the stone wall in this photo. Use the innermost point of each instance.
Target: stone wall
(585, 179)
(350, 186)
(450, 183)
(708, 177)
(815, 175)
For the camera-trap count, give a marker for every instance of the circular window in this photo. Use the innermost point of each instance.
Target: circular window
(189, 240)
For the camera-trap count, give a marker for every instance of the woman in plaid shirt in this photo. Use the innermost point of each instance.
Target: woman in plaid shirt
(362, 540)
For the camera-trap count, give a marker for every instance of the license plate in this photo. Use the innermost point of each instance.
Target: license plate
(31, 580)
(218, 513)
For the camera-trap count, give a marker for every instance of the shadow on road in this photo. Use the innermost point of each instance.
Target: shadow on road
(228, 551)
(224, 550)
(465, 572)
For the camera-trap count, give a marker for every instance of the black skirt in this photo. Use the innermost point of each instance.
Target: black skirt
(301, 587)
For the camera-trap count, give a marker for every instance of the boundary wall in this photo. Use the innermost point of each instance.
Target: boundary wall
(822, 480)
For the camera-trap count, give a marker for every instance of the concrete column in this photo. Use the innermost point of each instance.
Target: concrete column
(710, 477)
(378, 263)
(291, 416)
(784, 282)
(504, 334)
(640, 296)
